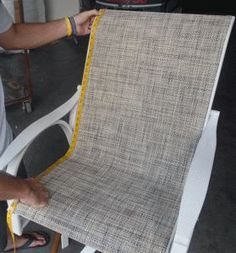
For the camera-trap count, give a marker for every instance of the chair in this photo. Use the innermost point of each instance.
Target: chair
(141, 131)
(143, 5)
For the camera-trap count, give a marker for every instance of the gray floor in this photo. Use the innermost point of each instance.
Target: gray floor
(56, 71)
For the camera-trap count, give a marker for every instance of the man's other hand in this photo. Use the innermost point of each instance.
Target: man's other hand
(36, 195)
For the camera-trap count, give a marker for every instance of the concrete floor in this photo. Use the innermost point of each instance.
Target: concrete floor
(56, 71)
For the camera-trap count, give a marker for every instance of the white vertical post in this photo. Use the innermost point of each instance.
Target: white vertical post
(64, 241)
(88, 249)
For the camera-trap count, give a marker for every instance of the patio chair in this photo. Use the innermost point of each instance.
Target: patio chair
(141, 131)
(142, 5)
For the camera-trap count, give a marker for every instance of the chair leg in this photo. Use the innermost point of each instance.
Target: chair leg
(55, 243)
(64, 241)
(88, 249)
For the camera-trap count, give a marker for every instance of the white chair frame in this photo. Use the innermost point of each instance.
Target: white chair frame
(196, 184)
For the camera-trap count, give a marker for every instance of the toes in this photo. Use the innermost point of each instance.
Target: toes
(40, 239)
(36, 243)
(38, 236)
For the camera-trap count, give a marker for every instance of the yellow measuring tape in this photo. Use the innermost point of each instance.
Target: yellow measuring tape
(9, 222)
(82, 96)
(77, 122)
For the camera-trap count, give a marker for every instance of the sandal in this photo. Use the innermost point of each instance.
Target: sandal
(31, 238)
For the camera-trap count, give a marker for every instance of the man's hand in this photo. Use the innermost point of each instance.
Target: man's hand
(84, 21)
(28, 191)
(36, 195)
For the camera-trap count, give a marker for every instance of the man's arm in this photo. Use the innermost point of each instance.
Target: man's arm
(28, 191)
(27, 36)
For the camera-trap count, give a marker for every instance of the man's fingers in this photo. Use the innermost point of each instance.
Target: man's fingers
(37, 195)
(93, 12)
(91, 20)
(87, 15)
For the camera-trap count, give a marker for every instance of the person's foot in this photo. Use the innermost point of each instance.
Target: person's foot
(31, 240)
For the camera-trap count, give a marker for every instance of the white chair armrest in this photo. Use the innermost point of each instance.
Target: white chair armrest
(26, 137)
(196, 186)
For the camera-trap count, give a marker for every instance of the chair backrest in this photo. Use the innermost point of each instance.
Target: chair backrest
(150, 87)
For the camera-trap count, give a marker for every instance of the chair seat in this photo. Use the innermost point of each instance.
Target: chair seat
(104, 207)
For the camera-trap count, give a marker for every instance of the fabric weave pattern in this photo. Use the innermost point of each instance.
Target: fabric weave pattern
(149, 90)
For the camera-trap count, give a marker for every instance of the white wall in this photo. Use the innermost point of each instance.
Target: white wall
(60, 8)
(34, 10)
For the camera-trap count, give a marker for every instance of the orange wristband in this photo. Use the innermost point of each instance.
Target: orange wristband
(68, 25)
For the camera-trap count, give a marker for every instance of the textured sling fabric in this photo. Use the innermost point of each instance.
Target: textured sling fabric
(149, 89)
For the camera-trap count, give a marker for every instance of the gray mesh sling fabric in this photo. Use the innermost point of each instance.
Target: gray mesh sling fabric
(149, 89)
